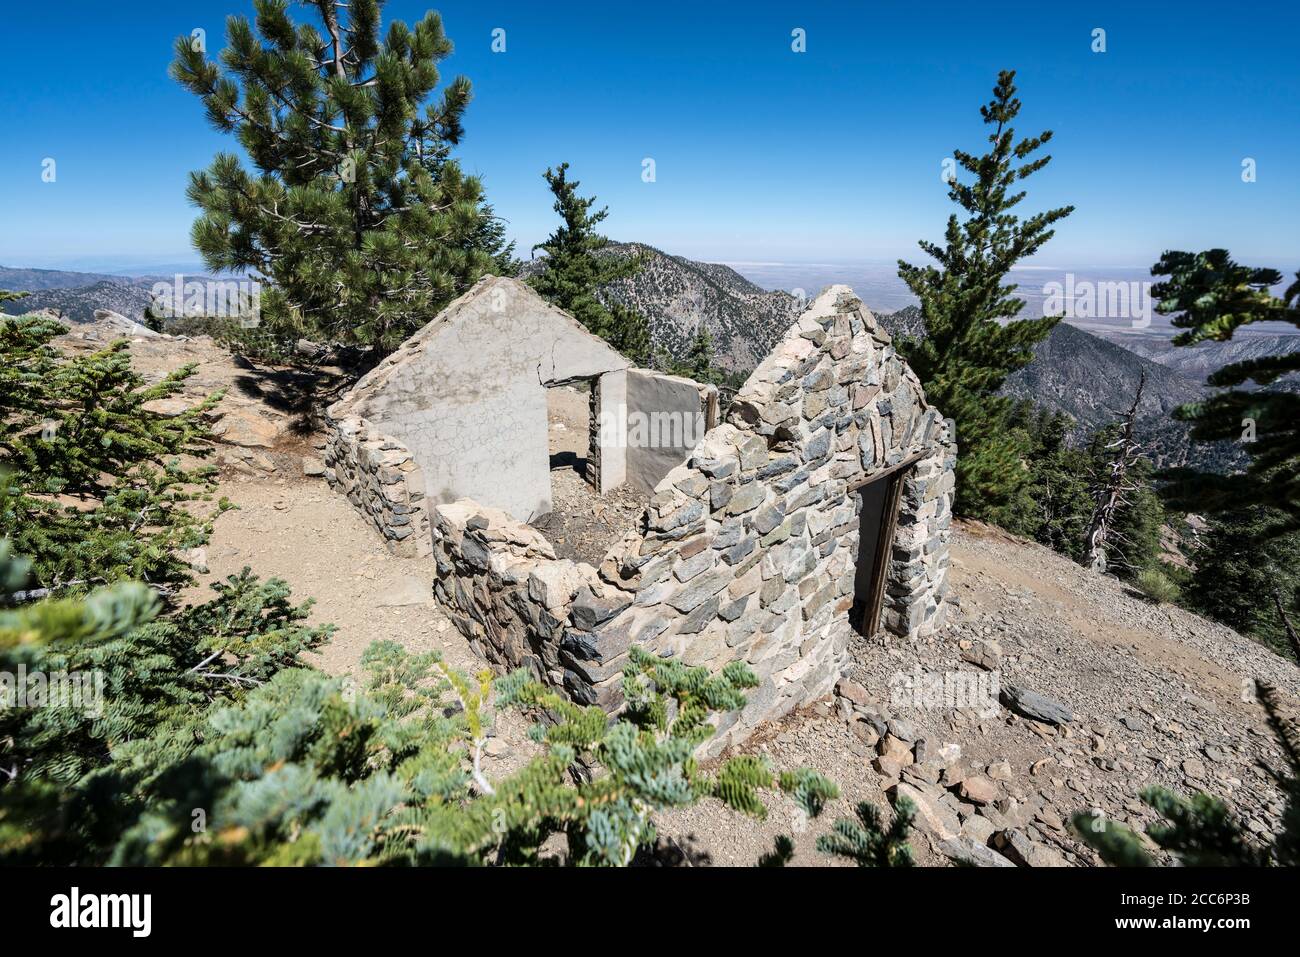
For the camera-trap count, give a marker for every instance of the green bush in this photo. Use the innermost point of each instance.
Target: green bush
(1157, 586)
(95, 487)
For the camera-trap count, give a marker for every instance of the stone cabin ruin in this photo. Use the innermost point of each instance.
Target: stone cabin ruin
(820, 506)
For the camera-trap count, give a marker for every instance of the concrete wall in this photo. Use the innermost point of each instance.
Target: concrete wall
(670, 412)
(466, 395)
(747, 550)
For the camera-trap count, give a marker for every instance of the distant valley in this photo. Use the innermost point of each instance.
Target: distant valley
(76, 295)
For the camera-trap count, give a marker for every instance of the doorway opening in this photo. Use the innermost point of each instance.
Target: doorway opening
(582, 523)
(878, 503)
(568, 412)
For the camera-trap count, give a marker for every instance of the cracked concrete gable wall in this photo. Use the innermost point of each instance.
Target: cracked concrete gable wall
(466, 395)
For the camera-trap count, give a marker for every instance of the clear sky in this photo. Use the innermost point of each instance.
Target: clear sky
(762, 154)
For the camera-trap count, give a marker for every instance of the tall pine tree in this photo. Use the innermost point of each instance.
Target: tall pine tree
(354, 213)
(1211, 297)
(577, 264)
(969, 348)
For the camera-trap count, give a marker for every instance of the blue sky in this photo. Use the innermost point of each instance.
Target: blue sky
(762, 154)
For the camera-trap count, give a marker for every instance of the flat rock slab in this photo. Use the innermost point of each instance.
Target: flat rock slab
(967, 852)
(244, 427)
(932, 815)
(1031, 704)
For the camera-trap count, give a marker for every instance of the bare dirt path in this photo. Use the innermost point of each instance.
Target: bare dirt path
(302, 532)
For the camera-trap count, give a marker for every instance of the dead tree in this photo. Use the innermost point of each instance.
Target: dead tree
(1286, 622)
(1113, 491)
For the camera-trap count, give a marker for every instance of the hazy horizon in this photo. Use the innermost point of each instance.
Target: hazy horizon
(876, 282)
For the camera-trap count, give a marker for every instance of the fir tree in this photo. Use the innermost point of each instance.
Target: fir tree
(222, 747)
(490, 237)
(577, 264)
(354, 211)
(1059, 501)
(867, 842)
(1056, 501)
(969, 349)
(100, 488)
(1211, 297)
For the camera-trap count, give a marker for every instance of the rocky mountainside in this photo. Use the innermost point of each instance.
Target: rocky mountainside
(1089, 378)
(906, 323)
(1094, 382)
(31, 280)
(1199, 361)
(78, 303)
(677, 294)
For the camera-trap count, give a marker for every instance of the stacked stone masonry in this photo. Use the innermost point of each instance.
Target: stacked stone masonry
(747, 549)
(382, 481)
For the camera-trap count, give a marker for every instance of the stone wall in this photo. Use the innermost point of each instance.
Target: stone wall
(747, 550)
(382, 481)
(520, 606)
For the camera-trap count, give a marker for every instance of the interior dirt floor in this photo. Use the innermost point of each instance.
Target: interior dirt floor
(582, 525)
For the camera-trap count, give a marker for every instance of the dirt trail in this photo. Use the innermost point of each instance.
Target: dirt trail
(302, 532)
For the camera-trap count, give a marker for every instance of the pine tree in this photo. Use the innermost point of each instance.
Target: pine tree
(577, 264)
(1242, 574)
(969, 350)
(1056, 502)
(698, 364)
(1211, 296)
(100, 489)
(354, 211)
(490, 237)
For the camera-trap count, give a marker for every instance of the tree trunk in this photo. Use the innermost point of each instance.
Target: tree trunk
(1286, 622)
(1111, 494)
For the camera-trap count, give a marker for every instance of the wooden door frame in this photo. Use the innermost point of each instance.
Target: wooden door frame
(880, 569)
(895, 475)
